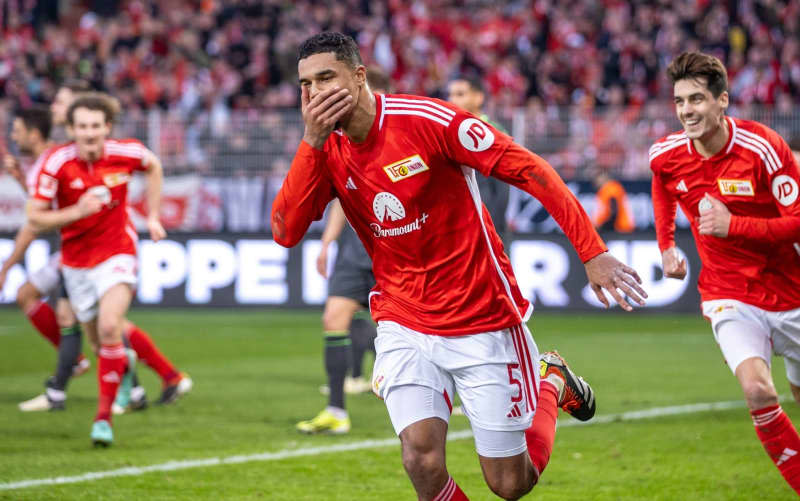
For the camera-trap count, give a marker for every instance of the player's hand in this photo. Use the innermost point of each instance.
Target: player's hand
(716, 220)
(672, 264)
(157, 231)
(89, 204)
(606, 272)
(322, 261)
(11, 165)
(321, 113)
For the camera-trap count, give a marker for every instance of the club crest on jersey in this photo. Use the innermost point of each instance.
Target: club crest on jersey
(405, 168)
(475, 135)
(784, 189)
(116, 179)
(737, 187)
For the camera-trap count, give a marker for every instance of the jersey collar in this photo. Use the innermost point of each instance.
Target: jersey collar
(728, 146)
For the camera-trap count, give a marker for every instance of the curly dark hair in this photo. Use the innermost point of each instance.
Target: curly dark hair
(340, 44)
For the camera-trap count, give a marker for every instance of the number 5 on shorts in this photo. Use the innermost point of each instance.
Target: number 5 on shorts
(515, 381)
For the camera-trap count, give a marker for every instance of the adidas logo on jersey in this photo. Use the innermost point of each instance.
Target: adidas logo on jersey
(682, 186)
(77, 184)
(350, 185)
(786, 455)
(514, 412)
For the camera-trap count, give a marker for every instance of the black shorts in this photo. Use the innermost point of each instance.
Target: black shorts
(352, 272)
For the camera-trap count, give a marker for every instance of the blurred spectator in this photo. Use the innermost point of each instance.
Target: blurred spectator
(612, 212)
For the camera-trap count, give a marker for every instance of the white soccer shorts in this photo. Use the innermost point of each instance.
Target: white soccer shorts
(496, 374)
(47, 278)
(85, 286)
(744, 331)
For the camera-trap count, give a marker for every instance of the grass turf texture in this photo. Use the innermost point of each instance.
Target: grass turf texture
(257, 373)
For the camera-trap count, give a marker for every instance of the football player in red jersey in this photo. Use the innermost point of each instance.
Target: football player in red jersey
(450, 314)
(87, 180)
(737, 181)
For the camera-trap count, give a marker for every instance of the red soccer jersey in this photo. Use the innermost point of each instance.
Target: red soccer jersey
(757, 178)
(407, 191)
(63, 178)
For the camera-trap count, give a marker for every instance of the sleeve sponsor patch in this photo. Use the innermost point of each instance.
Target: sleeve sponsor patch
(48, 186)
(475, 135)
(784, 189)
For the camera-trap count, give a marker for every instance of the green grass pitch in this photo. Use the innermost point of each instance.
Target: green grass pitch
(257, 373)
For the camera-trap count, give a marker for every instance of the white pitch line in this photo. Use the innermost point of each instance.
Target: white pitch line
(352, 446)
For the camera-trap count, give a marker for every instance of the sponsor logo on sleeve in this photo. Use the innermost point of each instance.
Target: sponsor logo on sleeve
(475, 135)
(736, 187)
(406, 168)
(784, 189)
(48, 186)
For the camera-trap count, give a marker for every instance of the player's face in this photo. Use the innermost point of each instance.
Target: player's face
(60, 104)
(462, 95)
(700, 113)
(20, 135)
(90, 129)
(323, 71)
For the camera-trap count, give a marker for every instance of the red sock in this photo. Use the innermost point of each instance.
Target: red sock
(542, 432)
(147, 352)
(780, 439)
(111, 366)
(43, 318)
(451, 492)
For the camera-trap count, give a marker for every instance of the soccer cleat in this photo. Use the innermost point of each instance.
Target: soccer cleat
(41, 403)
(173, 392)
(575, 396)
(136, 402)
(325, 422)
(101, 433)
(81, 367)
(123, 398)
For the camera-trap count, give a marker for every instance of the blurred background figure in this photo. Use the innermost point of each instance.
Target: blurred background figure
(612, 212)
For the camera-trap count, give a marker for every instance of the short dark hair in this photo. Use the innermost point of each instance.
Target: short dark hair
(378, 79)
(694, 65)
(76, 85)
(340, 44)
(36, 117)
(95, 101)
(475, 83)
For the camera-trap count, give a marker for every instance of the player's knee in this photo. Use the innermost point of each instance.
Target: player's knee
(511, 485)
(27, 295)
(333, 320)
(64, 315)
(422, 462)
(759, 393)
(108, 330)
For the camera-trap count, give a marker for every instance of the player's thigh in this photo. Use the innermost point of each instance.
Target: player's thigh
(413, 403)
(47, 279)
(338, 313)
(113, 307)
(82, 293)
(497, 382)
(786, 341)
(741, 331)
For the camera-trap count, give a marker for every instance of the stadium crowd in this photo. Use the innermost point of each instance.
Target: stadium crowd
(214, 67)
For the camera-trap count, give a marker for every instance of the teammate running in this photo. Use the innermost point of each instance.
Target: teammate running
(737, 181)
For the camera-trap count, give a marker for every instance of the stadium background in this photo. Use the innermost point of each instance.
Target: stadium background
(210, 87)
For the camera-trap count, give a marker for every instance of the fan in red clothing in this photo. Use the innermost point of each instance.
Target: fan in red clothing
(737, 181)
(450, 314)
(81, 187)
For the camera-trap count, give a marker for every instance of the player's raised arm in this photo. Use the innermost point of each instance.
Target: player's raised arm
(155, 180)
(533, 174)
(307, 189)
